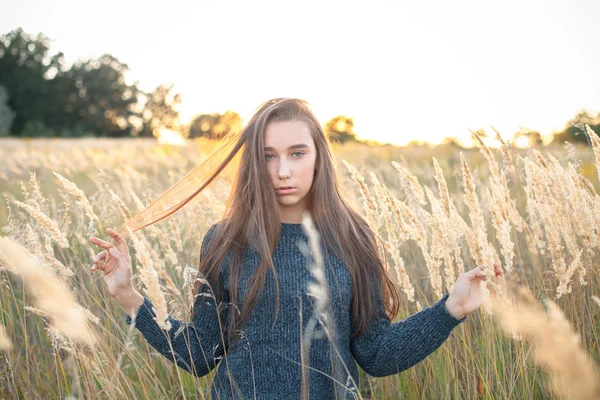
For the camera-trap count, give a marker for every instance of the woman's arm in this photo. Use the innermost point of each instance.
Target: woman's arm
(388, 348)
(196, 347)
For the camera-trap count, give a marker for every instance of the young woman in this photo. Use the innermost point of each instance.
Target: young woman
(252, 308)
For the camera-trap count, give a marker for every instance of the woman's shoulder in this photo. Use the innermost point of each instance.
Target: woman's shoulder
(213, 229)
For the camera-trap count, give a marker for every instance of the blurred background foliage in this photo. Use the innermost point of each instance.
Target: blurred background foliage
(41, 96)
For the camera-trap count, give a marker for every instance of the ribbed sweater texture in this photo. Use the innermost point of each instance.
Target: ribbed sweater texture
(266, 363)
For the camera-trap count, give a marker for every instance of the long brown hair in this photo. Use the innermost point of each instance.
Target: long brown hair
(252, 219)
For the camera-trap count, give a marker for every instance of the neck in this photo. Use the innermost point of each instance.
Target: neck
(291, 215)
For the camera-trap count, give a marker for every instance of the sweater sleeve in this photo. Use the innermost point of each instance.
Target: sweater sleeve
(198, 346)
(387, 348)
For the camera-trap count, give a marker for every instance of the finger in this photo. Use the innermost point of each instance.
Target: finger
(99, 262)
(102, 255)
(498, 270)
(102, 258)
(101, 243)
(476, 271)
(122, 245)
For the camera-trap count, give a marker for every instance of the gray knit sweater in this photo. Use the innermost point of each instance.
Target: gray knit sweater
(266, 362)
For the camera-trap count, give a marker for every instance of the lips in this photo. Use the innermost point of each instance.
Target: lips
(283, 190)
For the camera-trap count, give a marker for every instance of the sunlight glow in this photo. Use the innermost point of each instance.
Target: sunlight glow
(166, 136)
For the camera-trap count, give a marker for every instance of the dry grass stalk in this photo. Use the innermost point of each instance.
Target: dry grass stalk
(443, 188)
(493, 164)
(555, 225)
(411, 184)
(509, 204)
(555, 346)
(507, 151)
(125, 213)
(477, 236)
(440, 240)
(73, 190)
(52, 295)
(149, 278)
(580, 208)
(596, 299)
(562, 209)
(394, 208)
(565, 277)
(595, 140)
(500, 221)
(537, 235)
(456, 233)
(393, 243)
(573, 157)
(385, 216)
(319, 291)
(36, 195)
(33, 245)
(176, 234)
(168, 250)
(369, 202)
(433, 258)
(471, 199)
(5, 342)
(46, 222)
(37, 311)
(414, 227)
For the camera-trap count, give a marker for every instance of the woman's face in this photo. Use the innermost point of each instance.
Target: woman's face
(290, 157)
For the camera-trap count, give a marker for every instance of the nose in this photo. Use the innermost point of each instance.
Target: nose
(284, 170)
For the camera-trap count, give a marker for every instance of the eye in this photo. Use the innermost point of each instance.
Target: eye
(268, 157)
(301, 153)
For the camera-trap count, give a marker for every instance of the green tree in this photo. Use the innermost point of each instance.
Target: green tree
(214, 126)
(160, 111)
(27, 71)
(98, 98)
(341, 129)
(574, 130)
(7, 115)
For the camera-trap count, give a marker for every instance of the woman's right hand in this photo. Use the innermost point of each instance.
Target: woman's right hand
(115, 263)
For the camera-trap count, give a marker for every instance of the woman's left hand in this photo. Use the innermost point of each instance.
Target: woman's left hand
(466, 296)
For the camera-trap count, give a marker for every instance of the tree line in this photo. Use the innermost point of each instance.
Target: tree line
(41, 96)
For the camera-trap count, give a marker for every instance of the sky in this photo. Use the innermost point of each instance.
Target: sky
(418, 70)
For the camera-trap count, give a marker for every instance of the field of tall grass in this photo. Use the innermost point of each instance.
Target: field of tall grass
(440, 211)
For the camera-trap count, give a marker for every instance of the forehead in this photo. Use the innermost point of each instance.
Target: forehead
(281, 135)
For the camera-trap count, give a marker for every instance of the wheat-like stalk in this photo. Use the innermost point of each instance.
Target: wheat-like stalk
(440, 240)
(53, 296)
(493, 164)
(443, 188)
(370, 204)
(149, 278)
(392, 203)
(500, 221)
(411, 183)
(555, 346)
(125, 213)
(73, 190)
(595, 140)
(46, 222)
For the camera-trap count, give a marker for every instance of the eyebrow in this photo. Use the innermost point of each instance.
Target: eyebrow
(292, 147)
